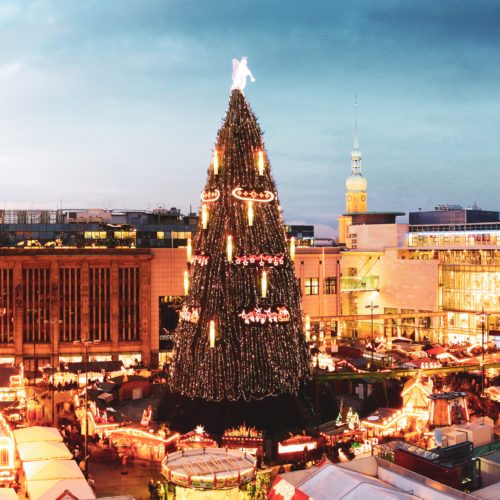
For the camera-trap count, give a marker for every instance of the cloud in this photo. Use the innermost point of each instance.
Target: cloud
(10, 70)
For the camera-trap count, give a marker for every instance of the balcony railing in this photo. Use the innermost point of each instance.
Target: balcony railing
(359, 284)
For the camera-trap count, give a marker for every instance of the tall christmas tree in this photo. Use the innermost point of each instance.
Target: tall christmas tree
(240, 335)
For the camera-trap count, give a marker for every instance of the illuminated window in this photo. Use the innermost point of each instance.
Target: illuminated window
(128, 303)
(160, 235)
(95, 235)
(125, 235)
(4, 457)
(311, 286)
(330, 285)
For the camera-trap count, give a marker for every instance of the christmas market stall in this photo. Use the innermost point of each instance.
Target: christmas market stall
(449, 408)
(7, 448)
(142, 444)
(299, 447)
(209, 468)
(243, 438)
(413, 416)
(197, 439)
(12, 386)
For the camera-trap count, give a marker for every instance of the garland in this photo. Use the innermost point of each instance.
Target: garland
(261, 316)
(252, 195)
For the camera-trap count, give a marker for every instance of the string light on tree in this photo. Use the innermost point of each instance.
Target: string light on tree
(308, 327)
(189, 250)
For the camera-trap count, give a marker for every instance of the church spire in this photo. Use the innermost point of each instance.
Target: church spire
(356, 153)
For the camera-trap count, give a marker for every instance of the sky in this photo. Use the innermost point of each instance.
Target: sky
(117, 103)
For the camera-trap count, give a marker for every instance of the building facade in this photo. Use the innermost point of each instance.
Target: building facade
(115, 278)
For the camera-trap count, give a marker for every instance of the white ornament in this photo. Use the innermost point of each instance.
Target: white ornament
(240, 73)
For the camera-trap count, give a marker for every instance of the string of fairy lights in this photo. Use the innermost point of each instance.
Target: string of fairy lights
(240, 334)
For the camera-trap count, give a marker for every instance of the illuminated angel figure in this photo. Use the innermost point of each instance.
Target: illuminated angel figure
(240, 73)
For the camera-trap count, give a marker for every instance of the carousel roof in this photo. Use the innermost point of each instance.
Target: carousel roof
(208, 463)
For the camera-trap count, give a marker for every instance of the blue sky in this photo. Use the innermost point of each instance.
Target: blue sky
(117, 103)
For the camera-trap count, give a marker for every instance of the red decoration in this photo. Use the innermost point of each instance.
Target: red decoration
(260, 260)
(189, 314)
(210, 196)
(262, 316)
(252, 195)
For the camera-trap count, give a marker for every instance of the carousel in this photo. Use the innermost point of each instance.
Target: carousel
(209, 469)
(298, 447)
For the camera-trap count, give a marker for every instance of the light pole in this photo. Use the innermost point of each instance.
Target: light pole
(86, 343)
(372, 306)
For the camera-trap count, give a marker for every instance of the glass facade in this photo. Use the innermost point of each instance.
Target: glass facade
(470, 288)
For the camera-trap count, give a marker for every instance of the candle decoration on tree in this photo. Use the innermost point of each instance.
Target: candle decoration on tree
(250, 213)
(186, 283)
(292, 248)
(263, 285)
(229, 248)
(204, 216)
(215, 162)
(211, 334)
(260, 162)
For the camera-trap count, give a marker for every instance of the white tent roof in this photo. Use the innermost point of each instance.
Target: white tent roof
(29, 452)
(53, 488)
(52, 469)
(36, 434)
(331, 482)
(8, 494)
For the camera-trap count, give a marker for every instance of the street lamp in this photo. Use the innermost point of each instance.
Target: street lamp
(372, 306)
(482, 318)
(86, 343)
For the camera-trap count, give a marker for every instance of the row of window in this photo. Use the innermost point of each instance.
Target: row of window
(311, 285)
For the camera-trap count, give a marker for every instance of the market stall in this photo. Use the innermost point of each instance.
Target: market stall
(30, 452)
(144, 445)
(42, 470)
(37, 434)
(7, 464)
(449, 408)
(243, 438)
(197, 439)
(298, 447)
(52, 489)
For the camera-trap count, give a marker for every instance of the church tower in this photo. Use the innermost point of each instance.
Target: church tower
(355, 197)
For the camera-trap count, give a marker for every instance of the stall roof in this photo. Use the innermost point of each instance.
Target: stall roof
(8, 494)
(329, 482)
(30, 452)
(53, 489)
(42, 470)
(491, 492)
(95, 366)
(37, 434)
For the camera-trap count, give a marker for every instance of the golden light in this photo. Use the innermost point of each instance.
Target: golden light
(211, 334)
(250, 213)
(189, 250)
(260, 162)
(204, 216)
(229, 248)
(292, 248)
(186, 283)
(215, 162)
(308, 327)
(263, 284)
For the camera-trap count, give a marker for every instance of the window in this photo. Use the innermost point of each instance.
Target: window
(128, 303)
(330, 285)
(311, 286)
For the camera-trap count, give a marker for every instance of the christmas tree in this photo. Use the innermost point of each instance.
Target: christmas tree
(240, 335)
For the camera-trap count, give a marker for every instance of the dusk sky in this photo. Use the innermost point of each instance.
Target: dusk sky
(117, 103)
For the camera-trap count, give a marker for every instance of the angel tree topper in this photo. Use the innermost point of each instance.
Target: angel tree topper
(240, 73)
